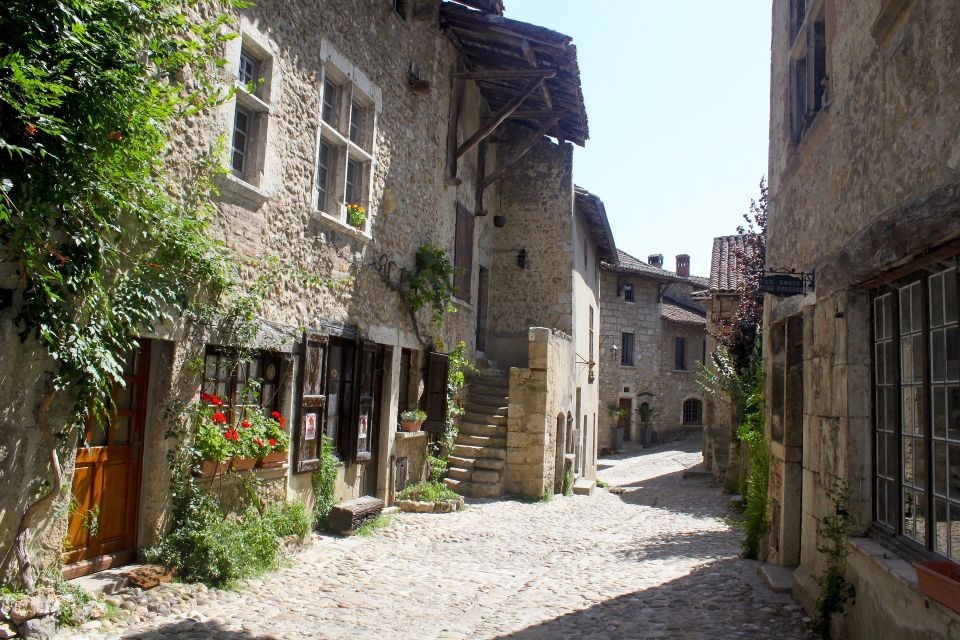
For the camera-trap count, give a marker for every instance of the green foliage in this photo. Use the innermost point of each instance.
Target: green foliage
(568, 481)
(750, 433)
(456, 379)
(427, 492)
(324, 480)
(374, 524)
(216, 550)
(602, 485)
(431, 283)
(103, 248)
(356, 215)
(413, 415)
(437, 465)
(73, 599)
(835, 591)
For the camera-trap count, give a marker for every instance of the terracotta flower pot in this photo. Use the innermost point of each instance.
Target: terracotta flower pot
(272, 459)
(940, 581)
(211, 468)
(411, 427)
(242, 464)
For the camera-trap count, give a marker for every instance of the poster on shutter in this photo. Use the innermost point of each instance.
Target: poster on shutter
(363, 425)
(310, 427)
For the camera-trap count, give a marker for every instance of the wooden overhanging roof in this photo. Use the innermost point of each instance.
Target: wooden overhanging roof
(488, 6)
(507, 58)
(595, 215)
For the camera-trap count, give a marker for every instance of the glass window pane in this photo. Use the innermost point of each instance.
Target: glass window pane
(937, 355)
(892, 505)
(881, 411)
(939, 469)
(954, 532)
(953, 472)
(953, 412)
(916, 306)
(941, 527)
(881, 501)
(952, 355)
(950, 295)
(908, 460)
(888, 315)
(907, 413)
(906, 360)
(936, 300)
(891, 448)
(917, 353)
(938, 402)
(881, 459)
(880, 364)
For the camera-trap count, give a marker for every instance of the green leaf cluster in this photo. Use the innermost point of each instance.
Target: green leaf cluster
(431, 283)
(427, 492)
(324, 483)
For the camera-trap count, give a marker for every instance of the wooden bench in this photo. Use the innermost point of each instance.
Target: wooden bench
(348, 516)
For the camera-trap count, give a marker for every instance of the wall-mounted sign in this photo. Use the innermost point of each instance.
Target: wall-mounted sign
(363, 425)
(783, 283)
(310, 427)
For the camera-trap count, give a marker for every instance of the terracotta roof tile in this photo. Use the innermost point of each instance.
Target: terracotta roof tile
(683, 315)
(725, 271)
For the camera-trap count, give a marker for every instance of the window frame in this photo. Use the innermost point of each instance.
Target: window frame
(695, 421)
(893, 362)
(628, 292)
(232, 382)
(243, 150)
(680, 353)
(627, 347)
(807, 67)
(252, 101)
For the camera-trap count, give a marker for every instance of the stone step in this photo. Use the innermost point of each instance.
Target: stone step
(481, 441)
(480, 389)
(458, 473)
(486, 476)
(493, 408)
(463, 463)
(497, 374)
(484, 418)
(474, 489)
(475, 452)
(489, 463)
(477, 429)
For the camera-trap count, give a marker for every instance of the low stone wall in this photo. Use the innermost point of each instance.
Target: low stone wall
(413, 447)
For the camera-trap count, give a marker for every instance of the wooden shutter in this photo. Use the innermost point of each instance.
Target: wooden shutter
(435, 394)
(364, 423)
(313, 402)
(463, 253)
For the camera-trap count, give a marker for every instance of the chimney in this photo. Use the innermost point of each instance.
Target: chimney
(683, 265)
(655, 260)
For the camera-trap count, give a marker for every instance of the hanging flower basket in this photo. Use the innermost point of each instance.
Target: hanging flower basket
(940, 581)
(272, 459)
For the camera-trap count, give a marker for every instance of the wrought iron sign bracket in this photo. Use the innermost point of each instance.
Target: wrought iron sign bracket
(787, 282)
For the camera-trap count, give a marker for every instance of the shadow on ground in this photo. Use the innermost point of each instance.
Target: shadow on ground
(719, 600)
(193, 630)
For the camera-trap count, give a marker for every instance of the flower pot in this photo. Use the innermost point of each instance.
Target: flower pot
(411, 427)
(940, 581)
(272, 459)
(211, 468)
(242, 464)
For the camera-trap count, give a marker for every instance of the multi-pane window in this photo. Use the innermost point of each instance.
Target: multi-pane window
(916, 376)
(626, 349)
(246, 383)
(808, 70)
(247, 72)
(628, 292)
(242, 121)
(400, 6)
(680, 354)
(345, 147)
(692, 412)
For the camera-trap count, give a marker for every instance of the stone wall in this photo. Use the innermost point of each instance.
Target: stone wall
(538, 395)
(675, 385)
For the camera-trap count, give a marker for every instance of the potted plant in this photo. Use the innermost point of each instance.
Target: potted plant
(210, 446)
(940, 581)
(412, 419)
(356, 215)
(248, 441)
(276, 441)
(618, 413)
(646, 413)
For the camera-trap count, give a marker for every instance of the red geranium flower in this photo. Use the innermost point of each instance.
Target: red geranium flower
(29, 130)
(219, 417)
(276, 415)
(231, 434)
(282, 422)
(272, 442)
(114, 136)
(258, 442)
(245, 424)
(211, 399)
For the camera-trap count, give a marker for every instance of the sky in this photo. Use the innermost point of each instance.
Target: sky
(678, 99)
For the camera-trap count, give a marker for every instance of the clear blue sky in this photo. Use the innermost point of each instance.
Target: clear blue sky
(678, 99)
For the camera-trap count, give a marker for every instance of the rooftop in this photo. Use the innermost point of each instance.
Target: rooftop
(726, 272)
(595, 215)
(676, 311)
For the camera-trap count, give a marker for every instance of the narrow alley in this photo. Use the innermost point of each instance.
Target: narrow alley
(660, 560)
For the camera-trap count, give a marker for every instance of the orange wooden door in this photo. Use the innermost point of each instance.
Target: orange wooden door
(102, 530)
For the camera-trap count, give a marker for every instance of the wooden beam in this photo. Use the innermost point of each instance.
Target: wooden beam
(506, 74)
(538, 114)
(531, 57)
(453, 123)
(499, 117)
(516, 157)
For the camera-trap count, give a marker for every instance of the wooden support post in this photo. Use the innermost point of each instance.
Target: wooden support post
(506, 74)
(515, 158)
(452, 124)
(499, 116)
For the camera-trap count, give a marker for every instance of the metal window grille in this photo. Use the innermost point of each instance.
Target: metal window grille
(692, 412)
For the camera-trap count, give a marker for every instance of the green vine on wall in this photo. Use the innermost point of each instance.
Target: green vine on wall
(324, 482)
(440, 449)
(431, 283)
(835, 591)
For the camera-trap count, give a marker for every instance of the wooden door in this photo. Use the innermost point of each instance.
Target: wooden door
(626, 409)
(102, 529)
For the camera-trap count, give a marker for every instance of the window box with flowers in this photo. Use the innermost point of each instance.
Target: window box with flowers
(254, 440)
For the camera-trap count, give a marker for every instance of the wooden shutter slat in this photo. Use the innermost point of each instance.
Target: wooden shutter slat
(312, 402)
(463, 252)
(367, 362)
(435, 394)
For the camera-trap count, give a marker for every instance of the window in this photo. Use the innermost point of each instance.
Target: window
(345, 144)
(680, 354)
(628, 292)
(400, 6)
(808, 69)
(237, 382)
(692, 412)
(251, 112)
(626, 349)
(916, 383)
(463, 253)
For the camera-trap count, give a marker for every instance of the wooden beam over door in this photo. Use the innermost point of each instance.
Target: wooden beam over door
(497, 119)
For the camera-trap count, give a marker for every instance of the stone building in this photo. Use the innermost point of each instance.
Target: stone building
(862, 373)
(652, 343)
(400, 107)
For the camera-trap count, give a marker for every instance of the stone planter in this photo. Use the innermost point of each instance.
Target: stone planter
(273, 459)
(411, 427)
(419, 506)
(211, 468)
(242, 464)
(940, 581)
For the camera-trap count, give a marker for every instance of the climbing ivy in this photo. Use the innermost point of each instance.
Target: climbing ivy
(835, 591)
(440, 449)
(324, 481)
(431, 283)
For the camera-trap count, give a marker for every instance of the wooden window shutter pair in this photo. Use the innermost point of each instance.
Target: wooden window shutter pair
(313, 402)
(463, 253)
(435, 393)
(362, 428)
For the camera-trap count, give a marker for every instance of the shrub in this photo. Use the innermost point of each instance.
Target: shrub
(427, 492)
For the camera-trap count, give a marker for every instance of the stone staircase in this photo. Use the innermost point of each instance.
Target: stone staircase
(480, 450)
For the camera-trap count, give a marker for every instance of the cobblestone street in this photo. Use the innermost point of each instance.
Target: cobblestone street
(657, 561)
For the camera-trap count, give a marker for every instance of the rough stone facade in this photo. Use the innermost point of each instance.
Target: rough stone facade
(863, 192)
(271, 207)
(663, 309)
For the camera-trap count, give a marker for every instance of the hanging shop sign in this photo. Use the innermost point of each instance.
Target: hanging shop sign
(786, 282)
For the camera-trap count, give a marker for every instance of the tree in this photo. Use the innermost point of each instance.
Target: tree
(89, 90)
